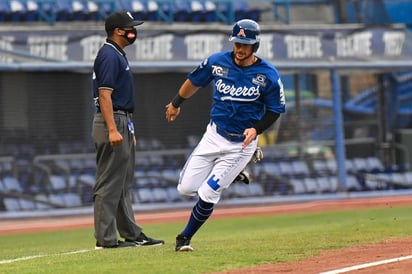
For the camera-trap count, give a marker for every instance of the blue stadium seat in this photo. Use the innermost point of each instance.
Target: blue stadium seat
(4, 11)
(160, 195)
(17, 10)
(324, 184)
(58, 183)
(352, 184)
(71, 10)
(173, 194)
(27, 204)
(11, 184)
(334, 183)
(256, 189)
(311, 185)
(46, 10)
(298, 186)
(145, 195)
(31, 11)
(209, 13)
(300, 168)
(71, 200)
(12, 204)
(242, 10)
(181, 11)
(100, 9)
(136, 7)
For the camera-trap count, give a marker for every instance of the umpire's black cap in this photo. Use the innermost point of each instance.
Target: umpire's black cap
(120, 19)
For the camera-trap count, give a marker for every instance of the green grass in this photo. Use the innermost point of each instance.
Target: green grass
(219, 245)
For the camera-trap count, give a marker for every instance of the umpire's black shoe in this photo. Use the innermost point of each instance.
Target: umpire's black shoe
(183, 243)
(118, 245)
(142, 239)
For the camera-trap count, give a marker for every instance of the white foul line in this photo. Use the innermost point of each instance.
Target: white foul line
(361, 266)
(41, 256)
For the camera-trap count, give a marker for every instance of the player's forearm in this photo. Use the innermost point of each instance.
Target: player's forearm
(267, 120)
(185, 92)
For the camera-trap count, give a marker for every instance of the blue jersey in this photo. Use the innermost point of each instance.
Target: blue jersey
(111, 70)
(241, 95)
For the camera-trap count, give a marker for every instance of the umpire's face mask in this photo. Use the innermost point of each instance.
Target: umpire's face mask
(130, 35)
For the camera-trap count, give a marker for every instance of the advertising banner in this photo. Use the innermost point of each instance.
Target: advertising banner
(344, 43)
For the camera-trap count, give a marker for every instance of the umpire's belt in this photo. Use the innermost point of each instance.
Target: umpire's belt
(233, 137)
(120, 112)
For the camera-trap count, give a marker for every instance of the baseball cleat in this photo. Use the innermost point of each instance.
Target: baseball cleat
(183, 243)
(244, 177)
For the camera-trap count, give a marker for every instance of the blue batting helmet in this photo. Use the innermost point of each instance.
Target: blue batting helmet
(246, 31)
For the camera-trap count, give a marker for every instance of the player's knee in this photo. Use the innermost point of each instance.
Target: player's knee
(185, 191)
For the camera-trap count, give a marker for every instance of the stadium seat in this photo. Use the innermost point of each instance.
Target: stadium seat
(160, 195)
(181, 11)
(71, 10)
(256, 189)
(4, 11)
(100, 9)
(324, 184)
(11, 184)
(71, 200)
(408, 178)
(145, 195)
(46, 10)
(58, 183)
(17, 10)
(209, 12)
(375, 164)
(286, 169)
(360, 165)
(136, 7)
(40, 198)
(32, 11)
(334, 183)
(300, 168)
(172, 194)
(27, 204)
(271, 168)
(239, 190)
(311, 185)
(298, 186)
(352, 184)
(242, 10)
(11, 204)
(58, 200)
(224, 12)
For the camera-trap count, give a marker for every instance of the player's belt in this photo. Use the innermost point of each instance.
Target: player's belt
(233, 137)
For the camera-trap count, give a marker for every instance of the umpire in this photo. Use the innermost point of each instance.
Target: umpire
(114, 138)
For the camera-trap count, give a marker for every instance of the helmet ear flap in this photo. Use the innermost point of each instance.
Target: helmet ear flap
(256, 46)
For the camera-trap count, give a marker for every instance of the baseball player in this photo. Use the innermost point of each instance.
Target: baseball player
(248, 98)
(114, 139)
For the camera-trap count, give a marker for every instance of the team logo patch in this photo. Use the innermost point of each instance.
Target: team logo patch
(241, 33)
(260, 80)
(219, 71)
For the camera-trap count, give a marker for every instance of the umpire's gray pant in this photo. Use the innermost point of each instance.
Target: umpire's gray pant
(112, 193)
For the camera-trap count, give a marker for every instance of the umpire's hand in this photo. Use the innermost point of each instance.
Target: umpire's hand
(171, 112)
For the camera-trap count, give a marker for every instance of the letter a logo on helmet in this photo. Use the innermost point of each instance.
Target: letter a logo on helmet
(246, 31)
(241, 33)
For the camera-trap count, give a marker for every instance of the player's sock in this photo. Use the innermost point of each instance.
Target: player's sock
(200, 213)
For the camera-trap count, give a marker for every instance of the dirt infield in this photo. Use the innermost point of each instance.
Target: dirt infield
(326, 261)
